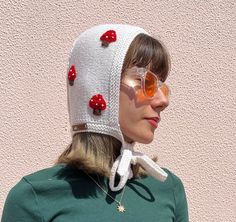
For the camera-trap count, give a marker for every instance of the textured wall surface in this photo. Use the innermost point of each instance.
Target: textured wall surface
(196, 137)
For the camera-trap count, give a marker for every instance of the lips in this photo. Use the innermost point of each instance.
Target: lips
(153, 121)
(156, 119)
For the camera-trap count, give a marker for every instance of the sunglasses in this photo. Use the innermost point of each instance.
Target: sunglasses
(149, 81)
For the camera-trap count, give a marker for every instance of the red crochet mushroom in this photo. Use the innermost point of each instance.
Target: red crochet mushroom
(72, 75)
(108, 37)
(97, 103)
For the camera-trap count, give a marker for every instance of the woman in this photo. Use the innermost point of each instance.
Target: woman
(116, 91)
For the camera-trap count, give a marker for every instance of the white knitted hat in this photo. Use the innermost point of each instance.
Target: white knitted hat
(93, 87)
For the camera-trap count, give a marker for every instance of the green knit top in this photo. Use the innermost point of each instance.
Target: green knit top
(63, 193)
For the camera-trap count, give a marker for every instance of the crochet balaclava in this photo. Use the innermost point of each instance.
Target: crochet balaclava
(93, 88)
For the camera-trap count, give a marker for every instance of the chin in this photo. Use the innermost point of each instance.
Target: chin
(141, 136)
(145, 140)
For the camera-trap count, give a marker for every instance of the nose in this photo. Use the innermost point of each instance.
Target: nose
(160, 101)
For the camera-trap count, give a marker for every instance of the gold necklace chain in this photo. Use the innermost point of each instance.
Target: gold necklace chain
(120, 207)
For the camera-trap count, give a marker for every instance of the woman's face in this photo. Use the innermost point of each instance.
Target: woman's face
(136, 110)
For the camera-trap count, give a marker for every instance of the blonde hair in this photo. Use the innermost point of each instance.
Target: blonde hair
(91, 152)
(96, 153)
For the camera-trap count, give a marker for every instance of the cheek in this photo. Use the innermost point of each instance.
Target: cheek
(128, 114)
(131, 120)
(132, 106)
(127, 108)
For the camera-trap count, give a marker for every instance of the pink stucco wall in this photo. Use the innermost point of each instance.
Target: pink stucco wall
(196, 137)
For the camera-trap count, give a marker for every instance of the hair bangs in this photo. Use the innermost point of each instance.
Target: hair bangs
(144, 51)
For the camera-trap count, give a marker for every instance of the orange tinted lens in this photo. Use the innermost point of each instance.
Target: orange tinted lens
(165, 90)
(140, 95)
(150, 84)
